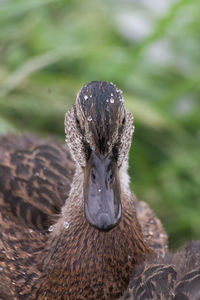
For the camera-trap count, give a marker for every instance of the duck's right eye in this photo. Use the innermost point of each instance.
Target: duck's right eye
(93, 176)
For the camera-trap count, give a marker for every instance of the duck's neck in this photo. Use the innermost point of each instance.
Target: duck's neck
(83, 260)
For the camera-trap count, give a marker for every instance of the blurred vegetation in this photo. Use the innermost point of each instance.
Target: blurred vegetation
(50, 48)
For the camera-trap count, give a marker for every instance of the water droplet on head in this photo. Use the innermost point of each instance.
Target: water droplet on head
(66, 224)
(89, 118)
(51, 228)
(111, 94)
(30, 230)
(130, 258)
(85, 97)
(107, 100)
(99, 190)
(162, 235)
(1, 269)
(112, 100)
(36, 174)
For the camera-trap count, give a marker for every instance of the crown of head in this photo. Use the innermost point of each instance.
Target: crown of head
(99, 122)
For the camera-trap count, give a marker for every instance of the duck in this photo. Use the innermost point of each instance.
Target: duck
(70, 226)
(174, 277)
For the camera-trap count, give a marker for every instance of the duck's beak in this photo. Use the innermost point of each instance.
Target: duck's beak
(102, 194)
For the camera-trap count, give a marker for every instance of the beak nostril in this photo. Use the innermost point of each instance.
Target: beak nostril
(110, 177)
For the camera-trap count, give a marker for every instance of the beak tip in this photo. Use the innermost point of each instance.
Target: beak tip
(105, 223)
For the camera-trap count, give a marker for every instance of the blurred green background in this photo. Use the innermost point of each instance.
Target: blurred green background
(150, 49)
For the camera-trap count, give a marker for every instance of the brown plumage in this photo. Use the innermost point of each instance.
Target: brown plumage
(174, 277)
(74, 259)
(35, 178)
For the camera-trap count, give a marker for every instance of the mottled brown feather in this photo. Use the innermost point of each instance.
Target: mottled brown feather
(35, 178)
(174, 277)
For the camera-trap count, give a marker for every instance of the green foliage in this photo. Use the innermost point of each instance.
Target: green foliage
(49, 48)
